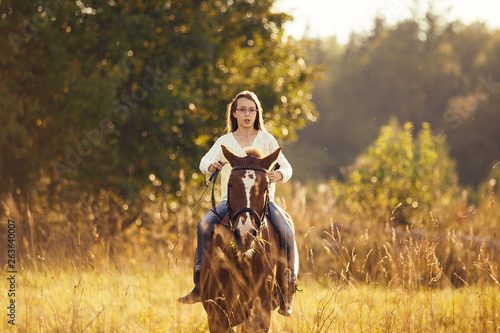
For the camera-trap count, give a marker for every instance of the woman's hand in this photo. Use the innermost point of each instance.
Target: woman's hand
(274, 176)
(216, 166)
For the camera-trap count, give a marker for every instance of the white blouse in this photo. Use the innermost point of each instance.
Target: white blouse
(264, 141)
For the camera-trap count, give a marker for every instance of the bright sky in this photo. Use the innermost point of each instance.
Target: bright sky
(335, 17)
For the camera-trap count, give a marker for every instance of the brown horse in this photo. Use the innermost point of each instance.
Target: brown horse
(238, 275)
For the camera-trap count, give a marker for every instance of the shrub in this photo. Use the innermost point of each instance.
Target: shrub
(400, 178)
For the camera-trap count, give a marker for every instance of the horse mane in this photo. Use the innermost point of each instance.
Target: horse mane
(253, 152)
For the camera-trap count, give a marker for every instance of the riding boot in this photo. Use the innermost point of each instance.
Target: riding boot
(194, 296)
(289, 288)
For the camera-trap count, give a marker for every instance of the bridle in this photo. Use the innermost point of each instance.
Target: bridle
(232, 217)
(260, 219)
(213, 180)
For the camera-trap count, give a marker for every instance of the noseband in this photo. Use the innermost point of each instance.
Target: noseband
(260, 219)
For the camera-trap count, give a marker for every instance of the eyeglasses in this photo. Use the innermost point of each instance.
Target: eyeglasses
(244, 110)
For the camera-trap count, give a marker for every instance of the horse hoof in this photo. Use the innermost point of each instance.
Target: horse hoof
(287, 311)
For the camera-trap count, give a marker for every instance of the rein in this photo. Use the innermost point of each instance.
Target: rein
(260, 219)
(213, 178)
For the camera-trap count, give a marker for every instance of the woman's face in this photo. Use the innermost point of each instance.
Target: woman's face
(246, 113)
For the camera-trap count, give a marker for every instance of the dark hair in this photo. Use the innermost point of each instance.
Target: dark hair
(232, 123)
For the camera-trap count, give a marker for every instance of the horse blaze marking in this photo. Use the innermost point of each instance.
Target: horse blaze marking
(248, 182)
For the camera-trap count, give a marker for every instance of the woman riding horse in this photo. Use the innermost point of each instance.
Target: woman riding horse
(245, 128)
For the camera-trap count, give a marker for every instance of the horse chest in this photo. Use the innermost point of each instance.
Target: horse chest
(236, 281)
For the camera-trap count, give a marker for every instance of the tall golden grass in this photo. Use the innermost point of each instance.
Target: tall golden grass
(126, 297)
(357, 274)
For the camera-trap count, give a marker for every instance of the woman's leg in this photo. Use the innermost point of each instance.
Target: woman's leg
(286, 236)
(204, 231)
(277, 217)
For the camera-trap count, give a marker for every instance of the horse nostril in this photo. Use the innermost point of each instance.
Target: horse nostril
(253, 232)
(237, 234)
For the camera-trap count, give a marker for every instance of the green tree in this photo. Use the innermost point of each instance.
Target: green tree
(122, 97)
(418, 70)
(401, 178)
(473, 114)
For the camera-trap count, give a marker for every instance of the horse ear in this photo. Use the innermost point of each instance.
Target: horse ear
(230, 157)
(269, 160)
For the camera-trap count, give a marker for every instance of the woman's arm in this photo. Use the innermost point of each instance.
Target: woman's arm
(285, 167)
(213, 155)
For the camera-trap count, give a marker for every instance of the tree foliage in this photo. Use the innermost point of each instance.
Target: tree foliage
(122, 96)
(418, 70)
(401, 178)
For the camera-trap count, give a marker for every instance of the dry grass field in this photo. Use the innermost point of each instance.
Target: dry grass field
(355, 277)
(142, 298)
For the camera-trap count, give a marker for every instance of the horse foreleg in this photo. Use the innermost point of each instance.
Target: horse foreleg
(260, 324)
(218, 321)
(260, 318)
(219, 324)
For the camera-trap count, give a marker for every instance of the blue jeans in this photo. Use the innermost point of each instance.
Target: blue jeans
(277, 219)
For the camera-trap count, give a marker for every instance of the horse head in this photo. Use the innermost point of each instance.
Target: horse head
(248, 195)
